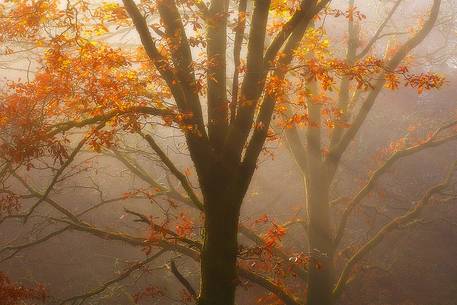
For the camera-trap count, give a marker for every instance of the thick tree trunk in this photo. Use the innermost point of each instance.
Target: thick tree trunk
(220, 246)
(321, 269)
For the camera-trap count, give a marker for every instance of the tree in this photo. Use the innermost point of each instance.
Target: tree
(223, 170)
(112, 94)
(319, 169)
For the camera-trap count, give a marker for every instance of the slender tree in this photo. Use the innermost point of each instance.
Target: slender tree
(319, 150)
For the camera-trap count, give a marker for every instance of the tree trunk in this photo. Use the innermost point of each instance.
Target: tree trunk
(321, 269)
(220, 246)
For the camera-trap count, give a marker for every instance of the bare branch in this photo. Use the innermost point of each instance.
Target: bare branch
(182, 279)
(396, 223)
(378, 35)
(117, 279)
(170, 165)
(431, 142)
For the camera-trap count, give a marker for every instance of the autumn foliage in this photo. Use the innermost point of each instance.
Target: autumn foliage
(80, 76)
(12, 293)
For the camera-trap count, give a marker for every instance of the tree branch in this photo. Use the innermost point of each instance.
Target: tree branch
(431, 142)
(378, 35)
(396, 223)
(117, 279)
(182, 279)
(170, 165)
(335, 154)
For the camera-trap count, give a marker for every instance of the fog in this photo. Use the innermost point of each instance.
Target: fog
(116, 220)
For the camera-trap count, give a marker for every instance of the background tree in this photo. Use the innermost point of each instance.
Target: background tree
(318, 152)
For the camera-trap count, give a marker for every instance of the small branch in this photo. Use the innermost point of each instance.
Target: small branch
(117, 279)
(302, 273)
(268, 284)
(396, 223)
(378, 35)
(18, 248)
(431, 142)
(171, 166)
(57, 175)
(182, 279)
(51, 202)
(144, 219)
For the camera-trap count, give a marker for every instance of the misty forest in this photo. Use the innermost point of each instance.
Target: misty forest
(228, 152)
